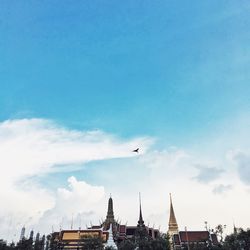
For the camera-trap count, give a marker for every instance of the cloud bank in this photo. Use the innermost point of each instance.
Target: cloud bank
(34, 147)
(37, 147)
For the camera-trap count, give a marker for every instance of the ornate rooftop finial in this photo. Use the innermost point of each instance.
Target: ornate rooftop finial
(172, 225)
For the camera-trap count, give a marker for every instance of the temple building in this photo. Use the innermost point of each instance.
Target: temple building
(111, 232)
(181, 239)
(75, 239)
(121, 231)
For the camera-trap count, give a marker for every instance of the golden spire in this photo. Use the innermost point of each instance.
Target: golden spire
(172, 225)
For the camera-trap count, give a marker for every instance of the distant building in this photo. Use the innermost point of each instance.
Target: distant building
(122, 232)
(74, 239)
(191, 238)
(180, 239)
(111, 232)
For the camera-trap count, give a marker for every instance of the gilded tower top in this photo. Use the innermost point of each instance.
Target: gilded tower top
(172, 225)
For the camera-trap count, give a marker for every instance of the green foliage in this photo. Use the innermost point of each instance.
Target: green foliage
(92, 243)
(39, 243)
(127, 245)
(52, 238)
(3, 245)
(219, 230)
(146, 243)
(25, 244)
(161, 243)
(238, 240)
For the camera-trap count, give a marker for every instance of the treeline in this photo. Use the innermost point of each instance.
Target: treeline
(94, 243)
(239, 240)
(27, 244)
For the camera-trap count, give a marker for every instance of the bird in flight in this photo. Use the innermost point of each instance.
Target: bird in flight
(136, 150)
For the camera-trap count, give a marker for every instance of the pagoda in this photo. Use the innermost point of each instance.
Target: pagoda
(172, 225)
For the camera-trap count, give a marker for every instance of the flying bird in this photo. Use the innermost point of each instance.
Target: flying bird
(136, 150)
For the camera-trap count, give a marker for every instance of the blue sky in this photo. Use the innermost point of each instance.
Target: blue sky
(133, 67)
(173, 72)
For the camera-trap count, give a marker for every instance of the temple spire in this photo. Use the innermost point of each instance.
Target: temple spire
(172, 225)
(110, 213)
(140, 221)
(110, 218)
(141, 231)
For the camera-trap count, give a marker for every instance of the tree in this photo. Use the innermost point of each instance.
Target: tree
(92, 243)
(53, 243)
(161, 243)
(238, 240)
(12, 245)
(25, 244)
(127, 245)
(3, 245)
(146, 243)
(219, 230)
(39, 243)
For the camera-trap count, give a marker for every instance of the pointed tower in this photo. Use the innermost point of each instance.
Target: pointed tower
(141, 231)
(110, 213)
(110, 218)
(172, 225)
(140, 221)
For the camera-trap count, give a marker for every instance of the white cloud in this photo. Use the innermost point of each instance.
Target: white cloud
(31, 147)
(80, 191)
(220, 189)
(170, 158)
(78, 200)
(157, 173)
(208, 174)
(242, 161)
